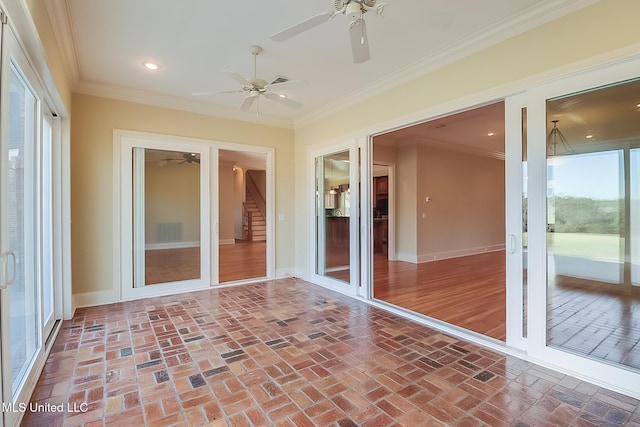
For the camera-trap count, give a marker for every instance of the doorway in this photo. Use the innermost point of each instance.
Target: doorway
(448, 261)
(244, 215)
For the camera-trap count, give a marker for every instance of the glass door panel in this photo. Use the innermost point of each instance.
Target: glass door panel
(333, 216)
(592, 223)
(165, 205)
(170, 216)
(23, 305)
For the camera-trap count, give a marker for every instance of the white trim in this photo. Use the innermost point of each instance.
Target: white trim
(438, 256)
(227, 242)
(174, 245)
(458, 253)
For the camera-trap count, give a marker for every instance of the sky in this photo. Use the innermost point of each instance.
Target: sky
(592, 175)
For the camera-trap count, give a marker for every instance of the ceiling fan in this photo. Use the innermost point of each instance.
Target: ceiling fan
(256, 87)
(354, 10)
(186, 158)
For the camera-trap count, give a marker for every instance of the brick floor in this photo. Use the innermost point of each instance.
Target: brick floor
(289, 353)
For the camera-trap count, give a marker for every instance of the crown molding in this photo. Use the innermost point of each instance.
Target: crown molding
(527, 20)
(61, 24)
(177, 103)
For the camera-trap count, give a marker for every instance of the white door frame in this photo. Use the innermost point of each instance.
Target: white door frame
(352, 288)
(209, 229)
(615, 377)
(513, 106)
(126, 143)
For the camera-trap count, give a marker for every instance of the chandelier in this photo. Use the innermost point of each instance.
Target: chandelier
(555, 139)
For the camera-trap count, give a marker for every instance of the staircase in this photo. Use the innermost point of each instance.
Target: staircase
(254, 224)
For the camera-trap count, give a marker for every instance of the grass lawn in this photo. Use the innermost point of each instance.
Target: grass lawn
(594, 246)
(586, 245)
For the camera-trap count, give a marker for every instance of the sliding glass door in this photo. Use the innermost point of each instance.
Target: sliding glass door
(583, 224)
(336, 220)
(165, 211)
(29, 303)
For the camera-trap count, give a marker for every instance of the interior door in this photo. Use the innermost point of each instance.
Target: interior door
(165, 203)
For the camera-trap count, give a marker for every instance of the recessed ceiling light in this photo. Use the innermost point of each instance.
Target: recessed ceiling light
(150, 65)
(638, 105)
(282, 96)
(490, 134)
(589, 136)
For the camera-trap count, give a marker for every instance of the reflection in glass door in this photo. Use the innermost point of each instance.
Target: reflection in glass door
(592, 224)
(333, 216)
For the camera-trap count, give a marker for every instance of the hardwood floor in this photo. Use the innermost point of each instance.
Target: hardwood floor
(241, 261)
(469, 292)
(171, 265)
(244, 260)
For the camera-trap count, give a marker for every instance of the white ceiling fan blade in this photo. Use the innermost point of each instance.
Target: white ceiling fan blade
(282, 100)
(359, 41)
(301, 27)
(230, 91)
(237, 77)
(291, 84)
(248, 102)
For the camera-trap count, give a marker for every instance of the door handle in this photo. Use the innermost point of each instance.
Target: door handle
(4, 278)
(512, 244)
(11, 255)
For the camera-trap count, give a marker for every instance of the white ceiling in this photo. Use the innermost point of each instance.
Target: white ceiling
(194, 40)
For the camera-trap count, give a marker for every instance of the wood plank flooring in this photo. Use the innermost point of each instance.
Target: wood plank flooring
(241, 261)
(469, 292)
(244, 260)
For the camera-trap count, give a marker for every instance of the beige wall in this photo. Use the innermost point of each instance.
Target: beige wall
(172, 195)
(566, 41)
(92, 128)
(466, 213)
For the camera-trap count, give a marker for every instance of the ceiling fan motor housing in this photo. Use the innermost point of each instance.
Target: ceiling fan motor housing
(353, 11)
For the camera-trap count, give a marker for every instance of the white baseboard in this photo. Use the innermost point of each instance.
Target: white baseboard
(459, 253)
(90, 299)
(282, 273)
(171, 245)
(435, 256)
